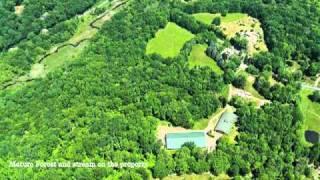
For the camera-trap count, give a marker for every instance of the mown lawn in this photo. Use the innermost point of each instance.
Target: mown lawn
(311, 111)
(169, 41)
(199, 58)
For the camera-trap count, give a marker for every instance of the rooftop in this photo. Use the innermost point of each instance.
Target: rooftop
(226, 122)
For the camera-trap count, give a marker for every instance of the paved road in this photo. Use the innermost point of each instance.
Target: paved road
(306, 86)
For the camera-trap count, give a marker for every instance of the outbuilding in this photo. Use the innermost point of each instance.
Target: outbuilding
(226, 122)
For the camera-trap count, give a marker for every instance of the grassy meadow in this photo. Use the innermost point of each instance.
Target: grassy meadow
(208, 17)
(64, 55)
(311, 111)
(198, 57)
(169, 41)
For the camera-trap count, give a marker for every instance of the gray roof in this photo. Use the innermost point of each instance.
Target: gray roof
(226, 122)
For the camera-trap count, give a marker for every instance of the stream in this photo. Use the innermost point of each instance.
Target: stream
(27, 78)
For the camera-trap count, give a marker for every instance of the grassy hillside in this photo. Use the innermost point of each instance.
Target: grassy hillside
(64, 55)
(199, 58)
(169, 41)
(208, 17)
(311, 111)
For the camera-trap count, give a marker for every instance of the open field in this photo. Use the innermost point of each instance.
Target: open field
(234, 23)
(37, 70)
(198, 57)
(311, 111)
(169, 41)
(64, 55)
(208, 17)
(205, 17)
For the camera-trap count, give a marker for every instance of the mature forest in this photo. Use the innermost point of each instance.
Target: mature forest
(22, 37)
(36, 16)
(106, 105)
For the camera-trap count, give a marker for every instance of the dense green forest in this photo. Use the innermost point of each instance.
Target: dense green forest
(106, 105)
(36, 16)
(22, 37)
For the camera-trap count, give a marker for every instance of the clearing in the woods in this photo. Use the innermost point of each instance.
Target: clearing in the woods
(310, 110)
(199, 58)
(18, 10)
(239, 23)
(169, 41)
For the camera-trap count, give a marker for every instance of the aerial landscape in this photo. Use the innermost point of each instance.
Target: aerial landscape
(160, 89)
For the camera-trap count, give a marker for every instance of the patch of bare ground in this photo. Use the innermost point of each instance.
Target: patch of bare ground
(213, 139)
(37, 71)
(248, 96)
(250, 28)
(317, 82)
(18, 9)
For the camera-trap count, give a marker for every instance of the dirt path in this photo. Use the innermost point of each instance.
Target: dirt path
(247, 95)
(229, 93)
(316, 83)
(212, 141)
(306, 86)
(100, 19)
